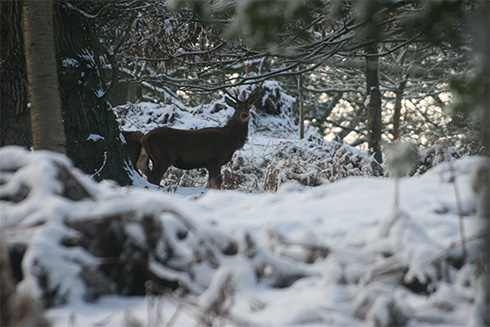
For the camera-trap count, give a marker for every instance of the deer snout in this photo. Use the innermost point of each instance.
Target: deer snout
(244, 116)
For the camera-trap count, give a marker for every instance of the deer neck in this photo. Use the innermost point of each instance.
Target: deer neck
(238, 131)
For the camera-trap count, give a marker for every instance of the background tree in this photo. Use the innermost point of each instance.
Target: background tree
(373, 101)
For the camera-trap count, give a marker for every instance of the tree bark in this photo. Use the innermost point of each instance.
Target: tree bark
(14, 114)
(397, 110)
(93, 138)
(374, 105)
(46, 121)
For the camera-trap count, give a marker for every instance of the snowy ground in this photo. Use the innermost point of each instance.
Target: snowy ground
(338, 254)
(344, 255)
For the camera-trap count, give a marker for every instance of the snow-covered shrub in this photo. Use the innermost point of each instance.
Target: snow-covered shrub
(274, 101)
(348, 161)
(387, 311)
(83, 240)
(93, 240)
(436, 154)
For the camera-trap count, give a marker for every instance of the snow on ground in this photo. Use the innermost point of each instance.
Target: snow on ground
(337, 254)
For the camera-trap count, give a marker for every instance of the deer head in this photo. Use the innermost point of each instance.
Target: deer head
(242, 107)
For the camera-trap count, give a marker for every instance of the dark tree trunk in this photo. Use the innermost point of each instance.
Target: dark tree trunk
(15, 123)
(93, 136)
(301, 108)
(374, 104)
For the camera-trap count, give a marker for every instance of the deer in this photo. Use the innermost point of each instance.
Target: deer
(133, 143)
(208, 148)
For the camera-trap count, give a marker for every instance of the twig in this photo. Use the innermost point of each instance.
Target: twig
(193, 309)
(445, 252)
(22, 226)
(459, 208)
(175, 315)
(397, 193)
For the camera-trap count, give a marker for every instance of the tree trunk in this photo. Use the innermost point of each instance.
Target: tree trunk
(14, 114)
(397, 110)
(93, 138)
(374, 104)
(46, 122)
(301, 108)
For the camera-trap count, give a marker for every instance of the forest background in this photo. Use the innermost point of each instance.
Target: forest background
(364, 73)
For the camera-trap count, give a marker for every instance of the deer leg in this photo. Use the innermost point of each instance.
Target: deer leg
(143, 162)
(157, 172)
(215, 178)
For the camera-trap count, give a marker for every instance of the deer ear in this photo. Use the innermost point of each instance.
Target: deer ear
(230, 102)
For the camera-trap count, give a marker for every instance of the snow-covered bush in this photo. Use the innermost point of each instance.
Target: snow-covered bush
(431, 157)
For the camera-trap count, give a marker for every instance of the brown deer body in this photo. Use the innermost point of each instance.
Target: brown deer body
(208, 148)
